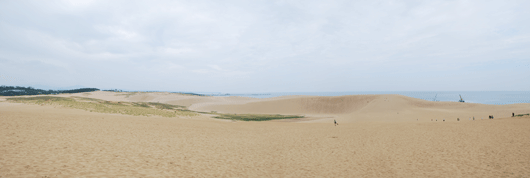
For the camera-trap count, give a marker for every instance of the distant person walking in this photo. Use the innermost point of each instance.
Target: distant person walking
(335, 121)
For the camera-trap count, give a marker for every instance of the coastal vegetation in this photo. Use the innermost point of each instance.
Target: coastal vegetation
(102, 106)
(255, 117)
(139, 108)
(165, 106)
(17, 91)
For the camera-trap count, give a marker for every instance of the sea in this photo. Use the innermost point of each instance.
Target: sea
(483, 97)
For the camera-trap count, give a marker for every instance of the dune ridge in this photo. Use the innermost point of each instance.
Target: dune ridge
(349, 108)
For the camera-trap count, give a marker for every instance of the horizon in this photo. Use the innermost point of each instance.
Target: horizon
(266, 46)
(44, 87)
(482, 97)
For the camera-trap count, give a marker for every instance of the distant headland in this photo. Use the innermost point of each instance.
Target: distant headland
(18, 90)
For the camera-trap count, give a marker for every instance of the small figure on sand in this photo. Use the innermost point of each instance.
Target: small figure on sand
(444, 120)
(335, 122)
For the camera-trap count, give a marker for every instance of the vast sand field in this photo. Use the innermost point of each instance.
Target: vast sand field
(377, 136)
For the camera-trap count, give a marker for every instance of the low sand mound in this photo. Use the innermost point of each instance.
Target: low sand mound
(329, 105)
(296, 105)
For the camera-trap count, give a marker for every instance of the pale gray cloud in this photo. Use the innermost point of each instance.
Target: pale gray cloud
(267, 46)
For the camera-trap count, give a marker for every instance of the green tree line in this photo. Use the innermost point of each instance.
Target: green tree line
(17, 90)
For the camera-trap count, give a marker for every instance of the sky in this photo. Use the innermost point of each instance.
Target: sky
(266, 46)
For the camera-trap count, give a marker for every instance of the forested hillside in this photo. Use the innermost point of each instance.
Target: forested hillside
(17, 90)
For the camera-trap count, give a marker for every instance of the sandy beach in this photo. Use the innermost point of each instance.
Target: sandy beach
(377, 136)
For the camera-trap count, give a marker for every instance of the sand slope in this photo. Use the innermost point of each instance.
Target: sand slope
(37, 141)
(368, 108)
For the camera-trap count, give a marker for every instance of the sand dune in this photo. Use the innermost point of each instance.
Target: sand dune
(350, 108)
(369, 108)
(378, 136)
(296, 105)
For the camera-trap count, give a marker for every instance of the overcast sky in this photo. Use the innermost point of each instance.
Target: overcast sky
(267, 46)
